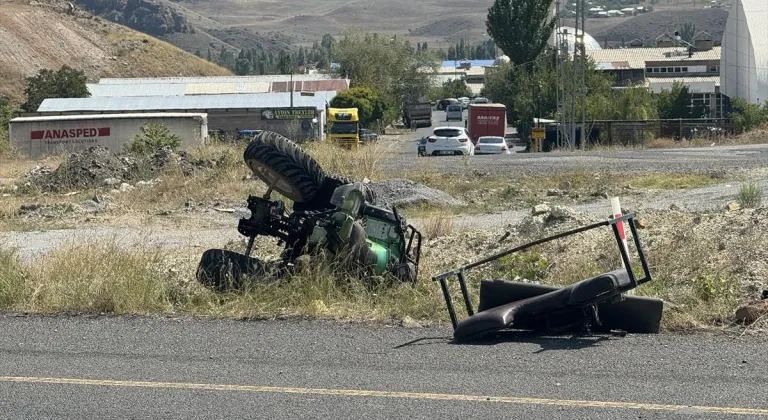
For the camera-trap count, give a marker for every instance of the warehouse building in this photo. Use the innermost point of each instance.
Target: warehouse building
(298, 115)
(744, 68)
(52, 135)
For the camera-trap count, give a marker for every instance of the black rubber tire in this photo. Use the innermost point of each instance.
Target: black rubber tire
(280, 163)
(224, 270)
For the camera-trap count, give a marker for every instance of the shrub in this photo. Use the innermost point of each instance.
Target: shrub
(153, 137)
(750, 195)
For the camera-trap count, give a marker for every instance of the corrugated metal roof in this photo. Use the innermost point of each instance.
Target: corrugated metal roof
(110, 116)
(636, 58)
(190, 102)
(217, 79)
(134, 90)
(214, 88)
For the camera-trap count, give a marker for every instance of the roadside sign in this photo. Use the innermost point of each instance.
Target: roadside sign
(537, 133)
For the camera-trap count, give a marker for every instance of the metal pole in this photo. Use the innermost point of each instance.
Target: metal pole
(583, 76)
(573, 82)
(291, 91)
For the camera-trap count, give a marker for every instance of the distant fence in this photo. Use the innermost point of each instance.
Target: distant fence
(637, 133)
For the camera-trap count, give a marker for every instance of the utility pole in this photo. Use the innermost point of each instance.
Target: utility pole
(574, 87)
(561, 49)
(583, 85)
(291, 91)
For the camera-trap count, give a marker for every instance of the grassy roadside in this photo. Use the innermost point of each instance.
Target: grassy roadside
(227, 184)
(704, 268)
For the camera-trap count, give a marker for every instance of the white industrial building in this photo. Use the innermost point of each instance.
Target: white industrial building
(52, 135)
(293, 105)
(744, 61)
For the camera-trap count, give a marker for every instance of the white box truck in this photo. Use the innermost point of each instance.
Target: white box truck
(56, 134)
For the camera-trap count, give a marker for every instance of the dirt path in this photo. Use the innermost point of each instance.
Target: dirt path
(207, 233)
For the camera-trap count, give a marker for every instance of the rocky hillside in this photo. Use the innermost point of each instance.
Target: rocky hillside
(148, 16)
(45, 34)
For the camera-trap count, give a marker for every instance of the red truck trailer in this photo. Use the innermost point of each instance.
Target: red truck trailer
(486, 120)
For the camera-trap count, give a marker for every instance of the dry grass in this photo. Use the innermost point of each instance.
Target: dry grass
(436, 226)
(702, 280)
(103, 278)
(758, 136)
(359, 163)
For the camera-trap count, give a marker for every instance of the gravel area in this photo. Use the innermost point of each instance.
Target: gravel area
(686, 160)
(404, 192)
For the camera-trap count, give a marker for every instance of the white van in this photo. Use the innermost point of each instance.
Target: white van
(454, 112)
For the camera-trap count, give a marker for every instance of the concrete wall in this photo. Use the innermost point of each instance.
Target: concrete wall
(56, 136)
(229, 120)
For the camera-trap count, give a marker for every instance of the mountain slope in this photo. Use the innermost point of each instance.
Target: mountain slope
(42, 34)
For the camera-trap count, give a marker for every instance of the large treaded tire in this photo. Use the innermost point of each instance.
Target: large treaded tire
(224, 270)
(281, 164)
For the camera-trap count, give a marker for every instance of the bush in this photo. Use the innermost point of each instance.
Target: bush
(153, 137)
(750, 195)
(7, 112)
(747, 116)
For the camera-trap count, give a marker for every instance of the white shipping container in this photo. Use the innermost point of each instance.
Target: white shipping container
(52, 135)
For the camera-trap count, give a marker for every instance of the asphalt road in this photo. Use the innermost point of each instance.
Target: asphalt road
(402, 157)
(109, 368)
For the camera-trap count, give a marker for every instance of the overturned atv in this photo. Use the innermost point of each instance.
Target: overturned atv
(329, 214)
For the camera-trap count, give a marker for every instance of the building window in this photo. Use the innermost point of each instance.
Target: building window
(677, 69)
(714, 69)
(685, 69)
(663, 69)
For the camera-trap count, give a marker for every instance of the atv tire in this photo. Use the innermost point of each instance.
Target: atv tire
(282, 165)
(224, 270)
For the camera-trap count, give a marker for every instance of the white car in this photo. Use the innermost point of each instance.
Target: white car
(454, 112)
(464, 101)
(449, 141)
(491, 145)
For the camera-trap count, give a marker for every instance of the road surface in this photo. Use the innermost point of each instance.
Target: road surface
(122, 367)
(438, 120)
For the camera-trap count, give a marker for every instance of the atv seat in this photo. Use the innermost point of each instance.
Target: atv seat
(507, 304)
(556, 309)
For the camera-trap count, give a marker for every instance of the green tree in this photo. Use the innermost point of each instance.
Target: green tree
(369, 103)
(387, 65)
(151, 138)
(520, 28)
(687, 32)
(63, 83)
(747, 116)
(676, 103)
(455, 88)
(285, 64)
(243, 65)
(7, 112)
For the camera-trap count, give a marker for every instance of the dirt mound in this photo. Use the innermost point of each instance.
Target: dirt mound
(45, 35)
(651, 25)
(87, 169)
(404, 192)
(98, 167)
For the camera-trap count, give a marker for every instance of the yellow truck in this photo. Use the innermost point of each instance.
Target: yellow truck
(343, 127)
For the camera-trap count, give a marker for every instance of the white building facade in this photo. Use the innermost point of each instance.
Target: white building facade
(744, 60)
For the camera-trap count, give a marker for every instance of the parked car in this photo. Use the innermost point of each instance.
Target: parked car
(491, 145)
(480, 100)
(367, 135)
(422, 146)
(449, 141)
(443, 103)
(454, 112)
(464, 101)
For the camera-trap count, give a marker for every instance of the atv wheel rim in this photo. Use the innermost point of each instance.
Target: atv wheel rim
(275, 180)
